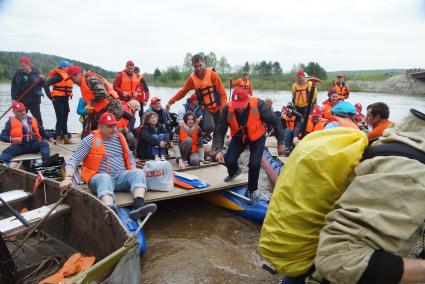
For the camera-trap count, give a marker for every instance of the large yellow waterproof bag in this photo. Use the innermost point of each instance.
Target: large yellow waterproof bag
(313, 178)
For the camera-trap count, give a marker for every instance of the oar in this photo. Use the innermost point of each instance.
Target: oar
(152, 211)
(23, 95)
(230, 88)
(15, 213)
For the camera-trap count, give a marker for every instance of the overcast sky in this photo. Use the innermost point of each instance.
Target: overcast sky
(340, 35)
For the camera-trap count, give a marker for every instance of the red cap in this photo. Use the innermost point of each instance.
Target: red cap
(108, 118)
(358, 106)
(300, 73)
(240, 98)
(193, 97)
(74, 70)
(26, 60)
(155, 100)
(340, 76)
(129, 63)
(18, 106)
(316, 112)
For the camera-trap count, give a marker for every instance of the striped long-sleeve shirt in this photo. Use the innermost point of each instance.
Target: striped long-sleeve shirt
(113, 151)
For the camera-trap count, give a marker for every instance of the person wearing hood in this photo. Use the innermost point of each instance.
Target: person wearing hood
(380, 217)
(60, 95)
(190, 105)
(342, 116)
(26, 77)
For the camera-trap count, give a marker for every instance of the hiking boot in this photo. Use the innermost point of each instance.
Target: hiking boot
(66, 140)
(143, 211)
(252, 196)
(232, 177)
(52, 160)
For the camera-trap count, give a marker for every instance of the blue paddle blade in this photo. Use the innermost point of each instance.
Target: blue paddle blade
(196, 183)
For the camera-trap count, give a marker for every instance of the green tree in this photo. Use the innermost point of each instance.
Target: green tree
(223, 66)
(187, 63)
(171, 74)
(156, 74)
(211, 60)
(246, 68)
(276, 69)
(314, 69)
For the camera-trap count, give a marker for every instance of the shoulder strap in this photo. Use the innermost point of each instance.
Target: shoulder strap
(394, 149)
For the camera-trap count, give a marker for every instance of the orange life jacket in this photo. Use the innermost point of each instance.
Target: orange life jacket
(344, 122)
(246, 85)
(341, 91)
(327, 110)
(311, 127)
(16, 128)
(127, 108)
(289, 121)
(378, 129)
(183, 135)
(205, 89)
(301, 95)
(64, 87)
(129, 84)
(88, 94)
(93, 160)
(254, 128)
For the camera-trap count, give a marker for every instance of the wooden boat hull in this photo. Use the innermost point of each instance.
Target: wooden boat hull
(89, 227)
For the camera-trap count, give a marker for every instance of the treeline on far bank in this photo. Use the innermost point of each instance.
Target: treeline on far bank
(263, 74)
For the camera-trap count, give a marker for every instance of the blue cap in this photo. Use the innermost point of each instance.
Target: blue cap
(342, 108)
(64, 63)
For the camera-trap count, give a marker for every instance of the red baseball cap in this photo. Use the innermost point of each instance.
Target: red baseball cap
(108, 118)
(129, 63)
(26, 60)
(240, 98)
(74, 70)
(18, 106)
(155, 100)
(316, 112)
(193, 97)
(300, 73)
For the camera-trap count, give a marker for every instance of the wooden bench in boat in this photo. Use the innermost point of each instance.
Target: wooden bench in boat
(10, 226)
(213, 175)
(53, 150)
(14, 196)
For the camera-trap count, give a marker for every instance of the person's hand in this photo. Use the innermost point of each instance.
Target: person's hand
(65, 183)
(134, 94)
(124, 94)
(16, 140)
(181, 164)
(220, 157)
(281, 150)
(167, 107)
(125, 130)
(295, 141)
(162, 144)
(51, 140)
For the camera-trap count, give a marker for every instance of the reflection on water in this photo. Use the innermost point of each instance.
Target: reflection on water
(192, 241)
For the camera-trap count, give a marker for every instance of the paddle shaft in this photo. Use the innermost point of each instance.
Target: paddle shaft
(15, 213)
(230, 88)
(21, 96)
(141, 224)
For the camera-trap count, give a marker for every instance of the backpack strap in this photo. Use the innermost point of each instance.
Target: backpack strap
(394, 149)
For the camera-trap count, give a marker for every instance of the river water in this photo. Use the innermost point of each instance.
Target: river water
(192, 241)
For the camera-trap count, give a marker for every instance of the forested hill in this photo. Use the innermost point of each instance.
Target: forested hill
(9, 63)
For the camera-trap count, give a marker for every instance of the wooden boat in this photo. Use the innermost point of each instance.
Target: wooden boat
(81, 223)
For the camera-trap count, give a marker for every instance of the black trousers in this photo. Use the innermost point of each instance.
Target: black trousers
(35, 112)
(61, 106)
(233, 153)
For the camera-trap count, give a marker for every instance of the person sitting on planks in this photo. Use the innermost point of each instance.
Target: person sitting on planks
(109, 166)
(377, 117)
(291, 121)
(25, 135)
(152, 139)
(126, 123)
(246, 116)
(164, 117)
(188, 142)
